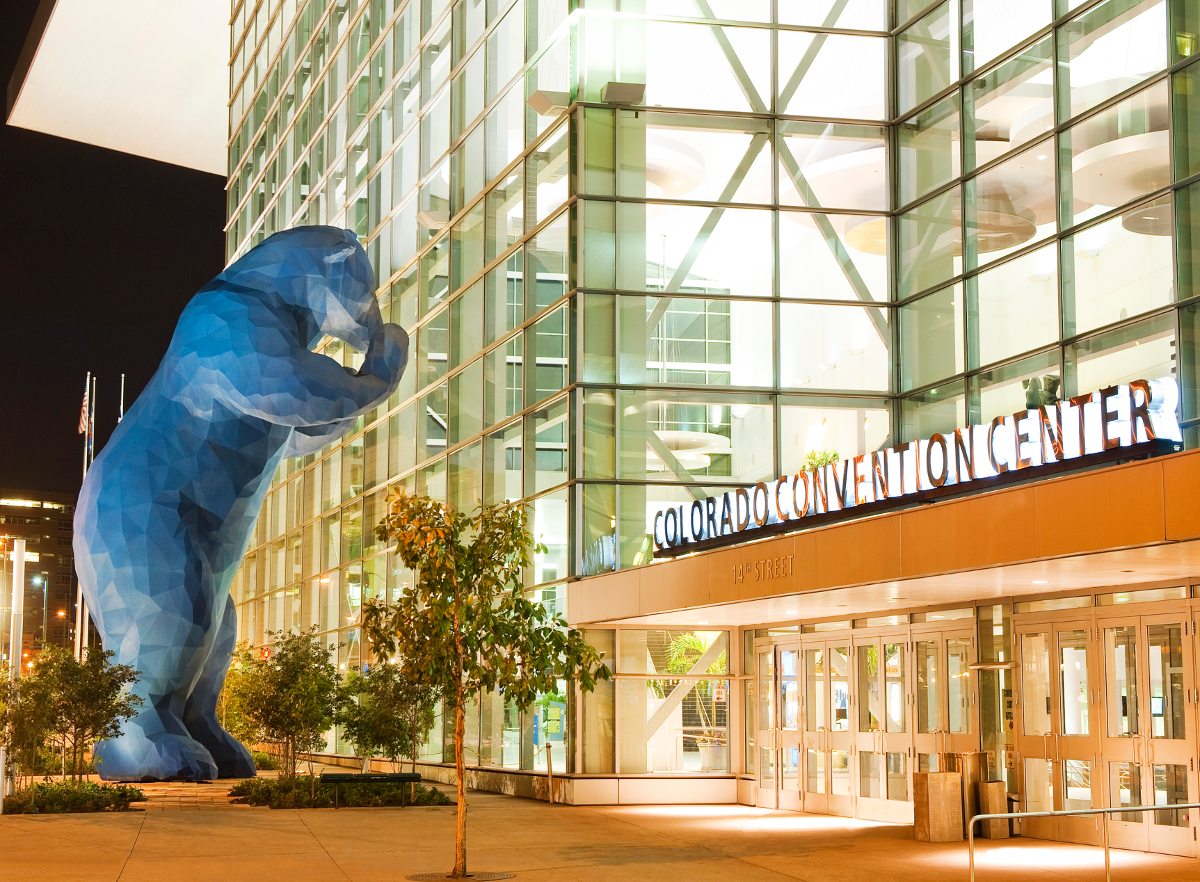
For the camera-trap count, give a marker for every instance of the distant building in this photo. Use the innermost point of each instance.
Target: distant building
(44, 521)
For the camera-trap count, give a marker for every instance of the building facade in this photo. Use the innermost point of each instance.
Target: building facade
(44, 521)
(650, 253)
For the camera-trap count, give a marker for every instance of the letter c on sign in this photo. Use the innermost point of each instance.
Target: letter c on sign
(661, 543)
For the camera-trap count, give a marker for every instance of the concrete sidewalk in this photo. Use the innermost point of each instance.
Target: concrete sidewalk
(532, 839)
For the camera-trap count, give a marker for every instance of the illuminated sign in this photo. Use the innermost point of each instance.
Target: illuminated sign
(1079, 427)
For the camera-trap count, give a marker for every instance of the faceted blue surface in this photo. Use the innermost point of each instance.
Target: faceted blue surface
(169, 505)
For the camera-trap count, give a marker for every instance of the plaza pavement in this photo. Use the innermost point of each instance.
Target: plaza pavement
(537, 842)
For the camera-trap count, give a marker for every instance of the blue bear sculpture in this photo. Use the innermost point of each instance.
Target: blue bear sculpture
(168, 507)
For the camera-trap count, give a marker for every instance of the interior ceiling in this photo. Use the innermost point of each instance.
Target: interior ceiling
(147, 77)
(1169, 563)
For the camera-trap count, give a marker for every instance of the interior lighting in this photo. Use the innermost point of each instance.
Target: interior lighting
(1040, 582)
(61, 613)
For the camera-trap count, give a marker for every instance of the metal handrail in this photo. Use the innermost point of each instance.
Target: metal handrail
(1095, 811)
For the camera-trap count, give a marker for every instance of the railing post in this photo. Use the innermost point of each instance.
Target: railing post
(971, 847)
(1107, 865)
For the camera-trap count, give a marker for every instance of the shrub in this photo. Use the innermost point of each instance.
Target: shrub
(264, 761)
(291, 794)
(71, 796)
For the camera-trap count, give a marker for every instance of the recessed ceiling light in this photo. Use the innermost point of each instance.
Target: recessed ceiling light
(1040, 582)
(790, 612)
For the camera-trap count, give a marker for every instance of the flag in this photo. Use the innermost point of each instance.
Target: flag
(83, 411)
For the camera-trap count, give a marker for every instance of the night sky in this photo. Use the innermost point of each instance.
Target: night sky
(101, 252)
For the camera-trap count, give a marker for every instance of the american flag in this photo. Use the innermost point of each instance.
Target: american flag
(83, 411)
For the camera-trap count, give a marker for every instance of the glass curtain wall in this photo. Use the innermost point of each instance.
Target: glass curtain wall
(794, 229)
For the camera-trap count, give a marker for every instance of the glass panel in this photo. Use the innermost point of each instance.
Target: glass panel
(1035, 683)
(1012, 203)
(700, 158)
(1116, 156)
(815, 703)
(832, 166)
(897, 775)
(999, 24)
(927, 56)
(1144, 350)
(831, 75)
(695, 250)
(929, 241)
(1119, 268)
(1013, 103)
(814, 778)
(1125, 788)
(929, 150)
(1167, 713)
(894, 674)
(847, 426)
(834, 347)
(931, 338)
(832, 257)
(1073, 682)
(839, 772)
(928, 716)
(789, 768)
(716, 435)
(751, 732)
(708, 342)
(789, 689)
(868, 773)
(1077, 785)
(936, 410)
(1039, 797)
(1017, 306)
(1187, 119)
(870, 702)
(1120, 655)
(1108, 49)
(958, 684)
(1171, 788)
(547, 171)
(839, 693)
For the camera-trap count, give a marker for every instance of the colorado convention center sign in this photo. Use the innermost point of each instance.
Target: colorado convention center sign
(1085, 428)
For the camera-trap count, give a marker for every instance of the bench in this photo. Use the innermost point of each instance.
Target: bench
(337, 779)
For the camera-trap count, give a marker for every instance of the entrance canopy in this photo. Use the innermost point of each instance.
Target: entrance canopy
(1136, 523)
(146, 77)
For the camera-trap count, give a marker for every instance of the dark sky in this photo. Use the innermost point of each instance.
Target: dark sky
(101, 252)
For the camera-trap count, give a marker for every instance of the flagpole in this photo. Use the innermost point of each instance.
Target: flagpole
(121, 414)
(87, 391)
(86, 425)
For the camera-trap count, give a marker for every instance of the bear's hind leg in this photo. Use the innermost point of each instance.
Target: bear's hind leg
(200, 713)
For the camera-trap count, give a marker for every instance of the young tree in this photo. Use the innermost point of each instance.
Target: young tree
(81, 702)
(391, 714)
(236, 695)
(466, 625)
(27, 717)
(292, 694)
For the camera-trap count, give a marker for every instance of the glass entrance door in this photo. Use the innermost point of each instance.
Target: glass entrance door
(827, 737)
(1056, 736)
(1148, 737)
(778, 721)
(882, 740)
(943, 698)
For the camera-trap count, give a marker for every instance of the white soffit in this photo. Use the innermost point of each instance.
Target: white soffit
(147, 77)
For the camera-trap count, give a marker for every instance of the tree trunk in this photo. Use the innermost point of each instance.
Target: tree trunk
(549, 772)
(460, 772)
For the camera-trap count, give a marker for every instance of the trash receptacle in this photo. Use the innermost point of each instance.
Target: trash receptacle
(993, 800)
(973, 768)
(937, 806)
